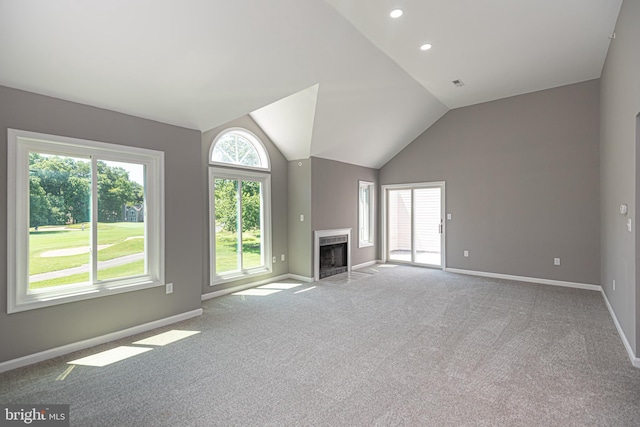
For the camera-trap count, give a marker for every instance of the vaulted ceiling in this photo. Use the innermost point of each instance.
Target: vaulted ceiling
(337, 79)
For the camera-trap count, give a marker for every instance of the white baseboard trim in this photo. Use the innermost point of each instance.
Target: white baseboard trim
(91, 342)
(632, 357)
(301, 278)
(527, 279)
(366, 264)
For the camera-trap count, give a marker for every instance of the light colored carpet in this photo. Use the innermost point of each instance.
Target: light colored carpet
(386, 347)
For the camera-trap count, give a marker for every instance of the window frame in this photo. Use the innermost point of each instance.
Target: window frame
(20, 143)
(242, 175)
(366, 241)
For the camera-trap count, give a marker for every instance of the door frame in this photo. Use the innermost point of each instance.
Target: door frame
(385, 217)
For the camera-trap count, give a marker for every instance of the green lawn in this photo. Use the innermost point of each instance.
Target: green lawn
(125, 238)
(227, 251)
(125, 270)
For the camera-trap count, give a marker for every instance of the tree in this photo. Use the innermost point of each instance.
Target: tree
(60, 190)
(39, 206)
(115, 190)
(250, 205)
(226, 204)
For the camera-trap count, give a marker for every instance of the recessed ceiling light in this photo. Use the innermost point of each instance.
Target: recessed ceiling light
(426, 46)
(396, 13)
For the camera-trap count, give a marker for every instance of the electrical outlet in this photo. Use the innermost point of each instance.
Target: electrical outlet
(614, 284)
(556, 261)
(448, 216)
(169, 288)
(275, 260)
(466, 254)
(301, 217)
(282, 258)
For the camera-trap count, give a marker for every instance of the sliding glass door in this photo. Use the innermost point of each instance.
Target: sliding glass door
(414, 227)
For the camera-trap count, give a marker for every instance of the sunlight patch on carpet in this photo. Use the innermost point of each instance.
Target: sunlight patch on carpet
(166, 337)
(110, 356)
(280, 286)
(257, 292)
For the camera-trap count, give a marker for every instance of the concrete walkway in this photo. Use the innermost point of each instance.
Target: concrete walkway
(85, 268)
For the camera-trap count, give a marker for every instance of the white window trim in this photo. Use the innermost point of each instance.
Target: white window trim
(20, 142)
(265, 179)
(255, 141)
(367, 243)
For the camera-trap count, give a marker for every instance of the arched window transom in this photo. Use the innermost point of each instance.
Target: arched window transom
(239, 147)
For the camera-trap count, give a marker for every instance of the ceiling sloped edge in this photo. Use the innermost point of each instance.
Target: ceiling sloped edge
(289, 122)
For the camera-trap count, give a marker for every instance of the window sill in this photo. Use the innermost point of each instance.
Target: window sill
(365, 244)
(42, 300)
(233, 277)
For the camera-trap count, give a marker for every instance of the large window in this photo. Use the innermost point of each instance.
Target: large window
(85, 219)
(239, 203)
(366, 206)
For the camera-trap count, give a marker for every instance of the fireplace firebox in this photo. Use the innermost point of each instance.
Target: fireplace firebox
(333, 255)
(332, 252)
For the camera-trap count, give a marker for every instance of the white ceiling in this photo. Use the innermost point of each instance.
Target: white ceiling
(202, 63)
(498, 48)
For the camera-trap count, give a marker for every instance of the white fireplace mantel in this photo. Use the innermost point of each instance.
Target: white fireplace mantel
(316, 248)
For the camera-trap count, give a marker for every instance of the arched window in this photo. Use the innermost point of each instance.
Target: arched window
(239, 205)
(239, 147)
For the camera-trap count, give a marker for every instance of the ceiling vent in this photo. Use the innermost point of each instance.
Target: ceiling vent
(458, 83)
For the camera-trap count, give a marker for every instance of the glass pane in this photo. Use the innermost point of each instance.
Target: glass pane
(251, 225)
(427, 225)
(226, 223)
(121, 229)
(400, 225)
(236, 149)
(365, 213)
(59, 211)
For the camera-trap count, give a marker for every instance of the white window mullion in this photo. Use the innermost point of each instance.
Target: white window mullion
(263, 229)
(413, 226)
(93, 272)
(239, 225)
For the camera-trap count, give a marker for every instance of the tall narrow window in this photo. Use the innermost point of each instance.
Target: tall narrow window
(71, 231)
(366, 218)
(239, 201)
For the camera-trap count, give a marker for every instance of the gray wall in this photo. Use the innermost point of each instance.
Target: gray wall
(620, 104)
(41, 329)
(300, 241)
(334, 203)
(521, 182)
(279, 201)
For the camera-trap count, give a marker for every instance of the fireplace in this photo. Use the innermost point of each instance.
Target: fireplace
(332, 253)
